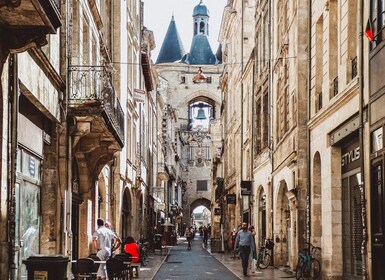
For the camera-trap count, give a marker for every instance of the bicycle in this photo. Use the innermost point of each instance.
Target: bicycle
(264, 258)
(308, 267)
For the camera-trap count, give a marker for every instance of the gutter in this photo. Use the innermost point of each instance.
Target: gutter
(308, 183)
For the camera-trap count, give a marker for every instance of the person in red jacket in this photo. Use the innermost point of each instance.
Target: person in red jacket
(130, 247)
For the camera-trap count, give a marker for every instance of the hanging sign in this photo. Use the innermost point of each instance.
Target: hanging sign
(231, 199)
(245, 187)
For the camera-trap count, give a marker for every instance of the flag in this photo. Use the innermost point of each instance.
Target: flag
(369, 31)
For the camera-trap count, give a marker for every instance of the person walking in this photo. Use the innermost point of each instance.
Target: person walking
(103, 240)
(244, 242)
(189, 236)
(205, 236)
(253, 254)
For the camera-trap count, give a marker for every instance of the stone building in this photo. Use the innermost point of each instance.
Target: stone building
(314, 153)
(76, 82)
(374, 102)
(189, 86)
(32, 96)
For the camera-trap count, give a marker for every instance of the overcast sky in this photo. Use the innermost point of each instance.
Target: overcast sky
(158, 13)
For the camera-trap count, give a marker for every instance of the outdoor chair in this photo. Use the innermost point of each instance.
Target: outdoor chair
(116, 269)
(85, 269)
(96, 265)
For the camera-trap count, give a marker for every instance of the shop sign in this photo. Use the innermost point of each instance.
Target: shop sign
(231, 199)
(245, 187)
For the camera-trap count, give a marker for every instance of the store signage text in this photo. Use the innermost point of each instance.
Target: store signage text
(350, 156)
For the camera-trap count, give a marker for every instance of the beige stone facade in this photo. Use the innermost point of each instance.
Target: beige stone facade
(296, 134)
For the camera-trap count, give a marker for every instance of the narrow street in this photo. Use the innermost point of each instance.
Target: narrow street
(196, 263)
(200, 263)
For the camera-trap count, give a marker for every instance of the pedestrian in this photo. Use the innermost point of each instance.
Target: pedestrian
(205, 236)
(103, 240)
(189, 236)
(130, 247)
(108, 225)
(233, 235)
(244, 242)
(253, 254)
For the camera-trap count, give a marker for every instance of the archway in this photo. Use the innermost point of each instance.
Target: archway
(283, 227)
(195, 204)
(126, 214)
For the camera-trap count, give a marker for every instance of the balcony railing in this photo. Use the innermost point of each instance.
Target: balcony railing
(91, 88)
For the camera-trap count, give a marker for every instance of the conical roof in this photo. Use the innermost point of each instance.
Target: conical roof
(172, 48)
(200, 52)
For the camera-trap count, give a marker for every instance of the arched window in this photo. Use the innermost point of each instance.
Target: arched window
(202, 28)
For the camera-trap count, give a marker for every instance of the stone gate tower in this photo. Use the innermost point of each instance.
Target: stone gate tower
(189, 84)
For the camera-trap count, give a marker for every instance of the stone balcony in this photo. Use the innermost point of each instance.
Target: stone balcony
(42, 15)
(97, 116)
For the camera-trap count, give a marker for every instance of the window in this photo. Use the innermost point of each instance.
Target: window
(377, 10)
(201, 185)
(377, 140)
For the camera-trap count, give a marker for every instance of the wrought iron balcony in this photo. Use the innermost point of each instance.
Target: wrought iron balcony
(92, 94)
(39, 14)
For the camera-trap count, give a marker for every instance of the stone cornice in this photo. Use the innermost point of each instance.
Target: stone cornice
(340, 100)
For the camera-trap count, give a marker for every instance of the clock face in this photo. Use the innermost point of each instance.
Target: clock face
(199, 152)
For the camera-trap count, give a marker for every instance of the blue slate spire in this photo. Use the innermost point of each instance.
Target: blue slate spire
(172, 49)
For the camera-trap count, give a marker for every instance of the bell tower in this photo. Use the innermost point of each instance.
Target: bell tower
(201, 20)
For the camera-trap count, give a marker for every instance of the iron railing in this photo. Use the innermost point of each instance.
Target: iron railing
(91, 86)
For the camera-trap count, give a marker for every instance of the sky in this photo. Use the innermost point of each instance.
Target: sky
(158, 13)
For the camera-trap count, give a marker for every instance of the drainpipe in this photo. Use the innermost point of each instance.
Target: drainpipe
(308, 189)
(12, 142)
(242, 147)
(66, 226)
(271, 144)
(361, 136)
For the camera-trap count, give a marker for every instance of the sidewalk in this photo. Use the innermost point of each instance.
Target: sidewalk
(155, 260)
